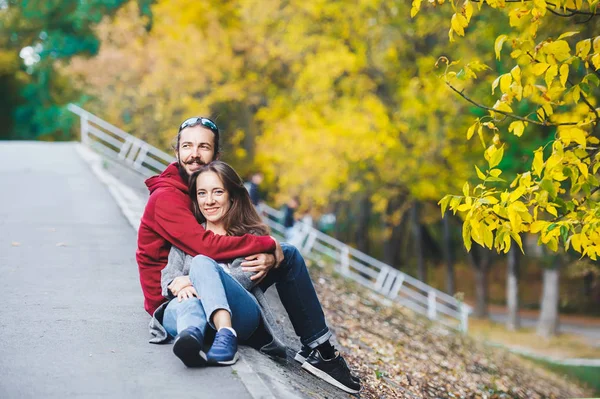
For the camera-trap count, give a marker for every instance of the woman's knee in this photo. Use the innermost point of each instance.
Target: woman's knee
(187, 304)
(202, 262)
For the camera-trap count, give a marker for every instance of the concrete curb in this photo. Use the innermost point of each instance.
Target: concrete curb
(132, 207)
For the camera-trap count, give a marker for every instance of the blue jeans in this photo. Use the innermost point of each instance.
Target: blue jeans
(298, 297)
(217, 290)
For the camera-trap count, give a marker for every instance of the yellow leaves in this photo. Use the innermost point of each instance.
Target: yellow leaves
(468, 10)
(505, 82)
(517, 128)
(501, 106)
(516, 74)
(480, 173)
(575, 241)
(544, 112)
(559, 49)
(537, 226)
(573, 134)
(498, 45)
(596, 61)
(551, 210)
(540, 6)
(582, 48)
(564, 74)
(458, 24)
(416, 6)
(494, 155)
(551, 73)
(516, 16)
(596, 44)
(540, 68)
(471, 129)
(567, 34)
(538, 162)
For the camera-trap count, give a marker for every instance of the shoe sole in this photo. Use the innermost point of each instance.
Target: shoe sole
(299, 358)
(224, 362)
(188, 350)
(326, 377)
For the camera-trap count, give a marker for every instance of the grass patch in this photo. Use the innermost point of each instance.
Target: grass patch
(562, 346)
(587, 374)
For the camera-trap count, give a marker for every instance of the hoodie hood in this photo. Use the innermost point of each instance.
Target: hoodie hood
(168, 178)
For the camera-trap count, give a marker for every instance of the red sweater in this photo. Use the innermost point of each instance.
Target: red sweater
(168, 220)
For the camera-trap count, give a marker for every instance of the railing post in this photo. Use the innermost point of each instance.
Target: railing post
(140, 157)
(464, 318)
(397, 285)
(308, 245)
(83, 119)
(124, 148)
(431, 305)
(345, 260)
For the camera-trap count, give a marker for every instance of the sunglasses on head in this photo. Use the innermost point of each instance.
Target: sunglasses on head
(198, 120)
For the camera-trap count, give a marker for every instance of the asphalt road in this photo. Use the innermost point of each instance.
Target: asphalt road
(72, 322)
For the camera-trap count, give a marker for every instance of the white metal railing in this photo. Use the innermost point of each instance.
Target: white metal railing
(114, 143)
(387, 281)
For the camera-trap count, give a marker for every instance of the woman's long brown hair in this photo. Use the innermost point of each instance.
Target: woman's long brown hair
(241, 218)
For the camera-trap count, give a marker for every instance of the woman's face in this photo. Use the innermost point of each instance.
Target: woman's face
(213, 199)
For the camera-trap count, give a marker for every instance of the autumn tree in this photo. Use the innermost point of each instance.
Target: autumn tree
(549, 85)
(34, 35)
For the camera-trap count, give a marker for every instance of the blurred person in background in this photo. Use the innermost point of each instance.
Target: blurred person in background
(253, 187)
(289, 219)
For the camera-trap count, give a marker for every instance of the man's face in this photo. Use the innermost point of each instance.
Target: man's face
(196, 148)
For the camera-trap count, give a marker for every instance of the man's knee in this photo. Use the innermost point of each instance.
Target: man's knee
(289, 251)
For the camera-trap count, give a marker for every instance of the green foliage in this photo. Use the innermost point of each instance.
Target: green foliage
(44, 31)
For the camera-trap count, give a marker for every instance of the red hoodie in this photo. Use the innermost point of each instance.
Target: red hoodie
(168, 220)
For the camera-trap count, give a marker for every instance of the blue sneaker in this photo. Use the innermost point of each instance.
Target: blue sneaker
(223, 351)
(188, 347)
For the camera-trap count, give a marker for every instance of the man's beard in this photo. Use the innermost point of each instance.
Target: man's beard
(183, 173)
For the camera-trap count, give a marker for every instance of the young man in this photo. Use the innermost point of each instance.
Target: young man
(168, 220)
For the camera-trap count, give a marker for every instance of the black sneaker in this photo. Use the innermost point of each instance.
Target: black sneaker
(302, 354)
(188, 347)
(335, 371)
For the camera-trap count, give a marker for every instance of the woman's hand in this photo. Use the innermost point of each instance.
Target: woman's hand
(187, 293)
(179, 283)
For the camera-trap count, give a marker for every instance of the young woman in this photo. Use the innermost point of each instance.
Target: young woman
(206, 293)
(208, 296)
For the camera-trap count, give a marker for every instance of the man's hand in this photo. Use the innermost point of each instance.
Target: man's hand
(179, 283)
(187, 292)
(259, 264)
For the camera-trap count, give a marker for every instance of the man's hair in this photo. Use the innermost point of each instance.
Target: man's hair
(241, 218)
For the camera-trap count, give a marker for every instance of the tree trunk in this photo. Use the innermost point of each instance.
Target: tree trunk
(513, 321)
(480, 259)
(393, 233)
(418, 242)
(362, 228)
(448, 256)
(548, 321)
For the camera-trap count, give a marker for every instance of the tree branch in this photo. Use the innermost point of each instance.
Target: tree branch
(508, 113)
(585, 100)
(551, 6)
